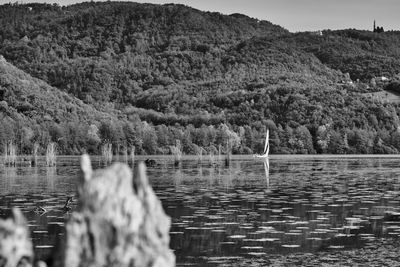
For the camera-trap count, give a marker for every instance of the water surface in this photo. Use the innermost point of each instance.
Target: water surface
(247, 209)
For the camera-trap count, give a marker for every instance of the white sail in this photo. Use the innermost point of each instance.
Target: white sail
(266, 148)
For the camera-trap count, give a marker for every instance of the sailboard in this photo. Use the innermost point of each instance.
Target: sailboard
(266, 148)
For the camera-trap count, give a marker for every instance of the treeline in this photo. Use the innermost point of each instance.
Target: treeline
(79, 137)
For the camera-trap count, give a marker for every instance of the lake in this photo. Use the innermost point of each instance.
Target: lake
(251, 208)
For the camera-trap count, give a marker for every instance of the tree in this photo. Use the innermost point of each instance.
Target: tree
(93, 139)
(112, 132)
(337, 143)
(6, 130)
(227, 137)
(149, 138)
(304, 142)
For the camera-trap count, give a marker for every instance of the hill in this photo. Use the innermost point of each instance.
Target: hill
(107, 51)
(32, 111)
(362, 54)
(171, 72)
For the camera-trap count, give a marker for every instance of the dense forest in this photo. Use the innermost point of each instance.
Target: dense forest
(147, 75)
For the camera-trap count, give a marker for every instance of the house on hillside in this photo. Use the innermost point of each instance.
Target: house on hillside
(319, 33)
(382, 79)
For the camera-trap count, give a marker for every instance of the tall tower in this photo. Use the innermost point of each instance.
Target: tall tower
(374, 26)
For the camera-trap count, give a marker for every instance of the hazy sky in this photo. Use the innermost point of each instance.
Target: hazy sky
(296, 15)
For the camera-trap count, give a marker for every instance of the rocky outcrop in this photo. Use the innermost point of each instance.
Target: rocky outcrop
(119, 221)
(15, 244)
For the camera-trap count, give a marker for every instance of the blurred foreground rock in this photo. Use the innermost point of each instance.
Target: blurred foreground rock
(118, 222)
(15, 244)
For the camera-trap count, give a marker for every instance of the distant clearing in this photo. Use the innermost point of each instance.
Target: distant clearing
(384, 96)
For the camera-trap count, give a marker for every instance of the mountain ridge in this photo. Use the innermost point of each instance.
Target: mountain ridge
(171, 72)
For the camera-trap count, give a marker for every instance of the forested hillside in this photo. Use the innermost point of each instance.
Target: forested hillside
(362, 54)
(147, 75)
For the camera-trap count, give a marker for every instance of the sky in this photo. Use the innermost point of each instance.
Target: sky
(295, 15)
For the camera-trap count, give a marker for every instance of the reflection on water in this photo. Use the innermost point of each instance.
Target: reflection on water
(31, 187)
(248, 209)
(266, 168)
(284, 205)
